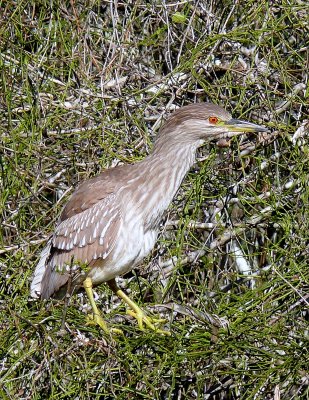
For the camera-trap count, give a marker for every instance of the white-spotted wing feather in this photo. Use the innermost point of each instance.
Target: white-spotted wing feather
(80, 238)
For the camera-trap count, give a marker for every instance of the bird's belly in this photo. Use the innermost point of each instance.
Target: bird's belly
(137, 245)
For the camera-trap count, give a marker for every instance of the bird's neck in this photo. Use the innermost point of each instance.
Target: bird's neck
(164, 170)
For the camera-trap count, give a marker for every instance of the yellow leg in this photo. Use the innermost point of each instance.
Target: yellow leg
(136, 311)
(97, 318)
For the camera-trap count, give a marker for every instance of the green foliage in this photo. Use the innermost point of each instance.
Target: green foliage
(82, 87)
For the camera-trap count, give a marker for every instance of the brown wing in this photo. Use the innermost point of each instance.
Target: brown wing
(84, 237)
(93, 190)
(88, 235)
(87, 230)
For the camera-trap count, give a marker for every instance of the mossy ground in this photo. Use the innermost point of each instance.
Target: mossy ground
(84, 85)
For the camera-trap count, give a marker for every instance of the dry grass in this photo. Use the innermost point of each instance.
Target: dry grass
(84, 85)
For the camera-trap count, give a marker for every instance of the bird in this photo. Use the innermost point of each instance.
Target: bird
(111, 221)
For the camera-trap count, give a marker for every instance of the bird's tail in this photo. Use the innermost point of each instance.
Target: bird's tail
(42, 272)
(49, 281)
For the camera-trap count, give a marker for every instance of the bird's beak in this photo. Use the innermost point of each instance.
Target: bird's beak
(236, 125)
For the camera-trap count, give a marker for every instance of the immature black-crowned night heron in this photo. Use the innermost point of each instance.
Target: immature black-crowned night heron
(111, 222)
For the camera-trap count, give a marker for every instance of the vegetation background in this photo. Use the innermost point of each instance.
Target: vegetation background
(84, 86)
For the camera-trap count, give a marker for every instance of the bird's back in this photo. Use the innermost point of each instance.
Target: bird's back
(86, 231)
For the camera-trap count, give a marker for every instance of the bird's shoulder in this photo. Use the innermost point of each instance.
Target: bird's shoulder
(93, 190)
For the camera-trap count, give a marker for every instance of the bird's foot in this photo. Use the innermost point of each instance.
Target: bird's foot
(96, 319)
(150, 323)
(135, 311)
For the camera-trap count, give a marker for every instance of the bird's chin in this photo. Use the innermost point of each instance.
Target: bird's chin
(225, 136)
(224, 139)
(228, 135)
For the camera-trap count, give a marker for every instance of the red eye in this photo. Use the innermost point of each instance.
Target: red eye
(213, 120)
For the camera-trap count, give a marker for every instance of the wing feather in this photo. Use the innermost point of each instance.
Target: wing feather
(83, 237)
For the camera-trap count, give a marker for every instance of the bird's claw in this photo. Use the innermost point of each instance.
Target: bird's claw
(96, 319)
(142, 319)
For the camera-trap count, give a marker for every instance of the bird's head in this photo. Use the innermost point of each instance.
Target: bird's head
(204, 122)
